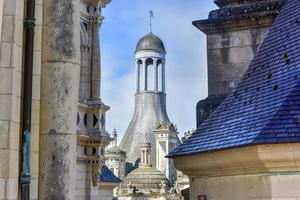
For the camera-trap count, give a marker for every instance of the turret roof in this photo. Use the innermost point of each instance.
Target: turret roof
(150, 42)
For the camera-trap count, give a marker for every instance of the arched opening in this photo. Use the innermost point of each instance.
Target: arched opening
(149, 82)
(139, 64)
(160, 75)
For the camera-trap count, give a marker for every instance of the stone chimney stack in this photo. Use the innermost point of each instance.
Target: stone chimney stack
(234, 32)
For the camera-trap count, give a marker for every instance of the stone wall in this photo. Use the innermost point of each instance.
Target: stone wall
(228, 55)
(83, 182)
(84, 188)
(273, 186)
(10, 97)
(269, 171)
(167, 197)
(1, 15)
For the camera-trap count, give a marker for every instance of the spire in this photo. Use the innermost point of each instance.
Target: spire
(150, 20)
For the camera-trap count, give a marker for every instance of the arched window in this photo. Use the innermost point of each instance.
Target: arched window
(149, 83)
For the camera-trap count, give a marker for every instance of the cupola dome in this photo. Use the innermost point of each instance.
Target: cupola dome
(150, 42)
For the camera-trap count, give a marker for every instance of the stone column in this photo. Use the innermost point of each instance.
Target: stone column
(59, 99)
(96, 65)
(145, 75)
(163, 81)
(138, 76)
(1, 14)
(155, 74)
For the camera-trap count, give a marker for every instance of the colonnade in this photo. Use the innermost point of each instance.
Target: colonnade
(142, 66)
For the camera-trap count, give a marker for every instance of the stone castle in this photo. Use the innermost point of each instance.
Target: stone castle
(61, 154)
(150, 98)
(53, 143)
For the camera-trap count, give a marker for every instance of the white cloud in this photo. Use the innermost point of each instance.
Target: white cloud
(186, 58)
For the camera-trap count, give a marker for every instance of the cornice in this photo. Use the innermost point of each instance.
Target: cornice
(210, 27)
(102, 3)
(271, 158)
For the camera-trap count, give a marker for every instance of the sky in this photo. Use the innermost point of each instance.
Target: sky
(186, 63)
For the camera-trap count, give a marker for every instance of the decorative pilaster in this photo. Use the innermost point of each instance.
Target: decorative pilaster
(96, 65)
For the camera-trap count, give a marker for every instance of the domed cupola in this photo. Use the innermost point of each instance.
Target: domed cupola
(146, 178)
(150, 42)
(150, 96)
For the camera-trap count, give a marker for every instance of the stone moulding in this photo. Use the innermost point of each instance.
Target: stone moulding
(95, 19)
(103, 3)
(270, 158)
(242, 16)
(208, 27)
(101, 141)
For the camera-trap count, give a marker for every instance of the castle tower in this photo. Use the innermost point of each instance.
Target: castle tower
(92, 137)
(150, 97)
(116, 158)
(166, 140)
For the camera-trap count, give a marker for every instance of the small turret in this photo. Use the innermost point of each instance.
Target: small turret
(150, 97)
(146, 155)
(166, 140)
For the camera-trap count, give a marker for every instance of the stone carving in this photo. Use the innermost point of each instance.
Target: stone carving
(167, 126)
(163, 189)
(95, 174)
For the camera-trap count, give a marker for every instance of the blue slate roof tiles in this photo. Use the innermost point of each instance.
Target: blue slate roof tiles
(108, 176)
(264, 108)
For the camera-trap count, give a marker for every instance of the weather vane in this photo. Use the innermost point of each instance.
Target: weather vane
(150, 24)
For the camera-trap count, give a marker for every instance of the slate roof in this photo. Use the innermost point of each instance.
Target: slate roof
(107, 176)
(264, 108)
(150, 42)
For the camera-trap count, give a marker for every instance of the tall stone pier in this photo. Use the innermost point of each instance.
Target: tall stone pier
(59, 99)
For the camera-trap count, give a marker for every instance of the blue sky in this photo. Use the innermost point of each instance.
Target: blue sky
(186, 69)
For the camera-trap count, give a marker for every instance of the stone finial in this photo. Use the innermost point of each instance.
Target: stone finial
(115, 138)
